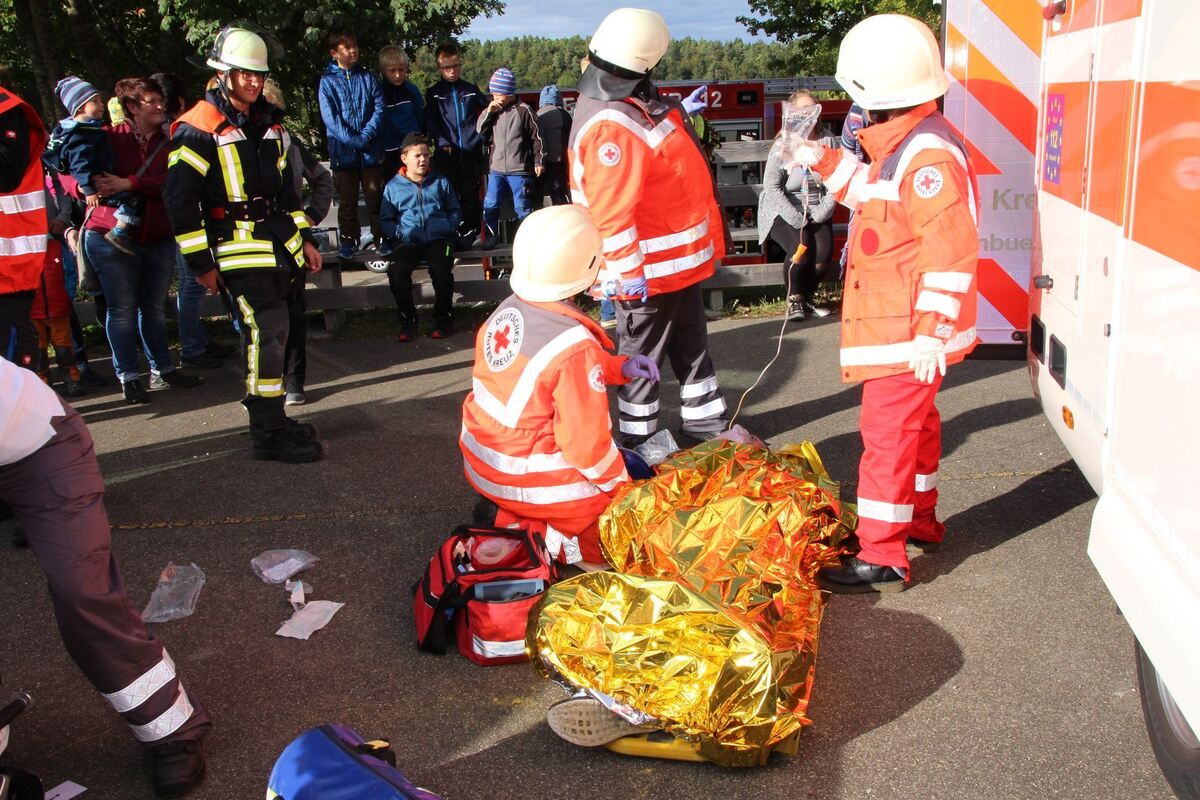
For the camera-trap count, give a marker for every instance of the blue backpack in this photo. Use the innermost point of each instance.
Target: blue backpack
(332, 762)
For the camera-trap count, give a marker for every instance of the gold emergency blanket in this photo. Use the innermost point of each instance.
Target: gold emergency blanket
(710, 622)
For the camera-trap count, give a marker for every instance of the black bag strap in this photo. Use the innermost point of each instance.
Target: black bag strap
(146, 164)
(437, 639)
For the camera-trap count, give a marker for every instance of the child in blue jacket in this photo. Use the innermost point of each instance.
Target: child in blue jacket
(403, 107)
(352, 110)
(420, 215)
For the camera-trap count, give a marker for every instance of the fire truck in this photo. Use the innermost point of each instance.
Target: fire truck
(1085, 117)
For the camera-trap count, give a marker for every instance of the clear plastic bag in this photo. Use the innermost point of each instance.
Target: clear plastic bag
(176, 594)
(276, 566)
(308, 619)
(658, 447)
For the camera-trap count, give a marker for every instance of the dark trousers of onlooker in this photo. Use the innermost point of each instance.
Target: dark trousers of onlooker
(440, 259)
(57, 497)
(18, 337)
(295, 352)
(260, 296)
(347, 182)
(802, 277)
(554, 184)
(389, 166)
(78, 343)
(465, 173)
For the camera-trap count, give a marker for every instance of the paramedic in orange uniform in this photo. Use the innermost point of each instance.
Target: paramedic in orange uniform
(910, 293)
(536, 437)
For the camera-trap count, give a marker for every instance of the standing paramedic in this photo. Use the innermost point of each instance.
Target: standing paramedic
(638, 168)
(536, 436)
(232, 200)
(910, 294)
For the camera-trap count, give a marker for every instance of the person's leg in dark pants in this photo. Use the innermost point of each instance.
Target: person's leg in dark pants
(440, 258)
(346, 181)
(464, 173)
(788, 239)
(817, 264)
(295, 352)
(57, 496)
(645, 328)
(554, 180)
(372, 186)
(702, 407)
(404, 260)
(18, 337)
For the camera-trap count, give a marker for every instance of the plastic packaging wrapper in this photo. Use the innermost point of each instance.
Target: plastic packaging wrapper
(796, 126)
(309, 618)
(711, 627)
(276, 566)
(658, 448)
(176, 594)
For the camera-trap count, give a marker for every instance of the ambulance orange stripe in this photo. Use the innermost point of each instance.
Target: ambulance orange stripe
(1005, 294)
(1022, 17)
(992, 87)
(1117, 10)
(1107, 181)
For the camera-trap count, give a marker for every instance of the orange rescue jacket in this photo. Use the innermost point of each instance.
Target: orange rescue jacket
(23, 224)
(536, 432)
(914, 243)
(639, 169)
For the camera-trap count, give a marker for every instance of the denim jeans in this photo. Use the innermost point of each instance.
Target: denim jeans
(135, 287)
(607, 310)
(521, 188)
(193, 336)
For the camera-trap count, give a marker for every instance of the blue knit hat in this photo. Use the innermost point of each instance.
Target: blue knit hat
(73, 92)
(550, 96)
(503, 82)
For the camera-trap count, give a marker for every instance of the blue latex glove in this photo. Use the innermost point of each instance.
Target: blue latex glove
(640, 367)
(635, 287)
(696, 101)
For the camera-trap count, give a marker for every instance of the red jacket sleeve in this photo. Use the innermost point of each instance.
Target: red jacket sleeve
(608, 170)
(582, 428)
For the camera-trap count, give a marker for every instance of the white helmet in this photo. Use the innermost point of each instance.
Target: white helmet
(556, 254)
(629, 42)
(891, 61)
(238, 48)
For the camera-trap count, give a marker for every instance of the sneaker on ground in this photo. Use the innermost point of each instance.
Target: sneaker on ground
(174, 379)
(346, 251)
(795, 308)
(177, 767)
(200, 361)
(386, 248)
(134, 392)
(443, 330)
(586, 722)
(295, 398)
(408, 332)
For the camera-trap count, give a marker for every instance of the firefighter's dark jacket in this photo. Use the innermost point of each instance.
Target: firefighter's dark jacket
(230, 193)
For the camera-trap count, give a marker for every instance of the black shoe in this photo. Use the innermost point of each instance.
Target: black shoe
(201, 361)
(18, 537)
(217, 350)
(856, 576)
(686, 439)
(284, 445)
(177, 767)
(795, 308)
(303, 429)
(89, 377)
(135, 392)
(632, 441)
(73, 388)
(408, 332)
(179, 380)
(443, 329)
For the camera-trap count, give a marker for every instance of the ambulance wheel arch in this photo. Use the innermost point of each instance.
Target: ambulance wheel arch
(1175, 744)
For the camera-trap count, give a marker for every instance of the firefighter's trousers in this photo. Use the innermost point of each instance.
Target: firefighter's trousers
(897, 477)
(261, 299)
(670, 325)
(57, 496)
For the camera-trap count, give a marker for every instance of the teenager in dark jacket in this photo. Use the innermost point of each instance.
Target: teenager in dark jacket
(554, 126)
(514, 153)
(352, 109)
(452, 107)
(403, 107)
(421, 214)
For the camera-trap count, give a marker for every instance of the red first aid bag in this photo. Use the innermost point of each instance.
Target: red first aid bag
(484, 582)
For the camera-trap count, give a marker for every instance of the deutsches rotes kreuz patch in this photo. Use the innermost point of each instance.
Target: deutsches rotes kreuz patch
(610, 154)
(928, 182)
(596, 378)
(502, 340)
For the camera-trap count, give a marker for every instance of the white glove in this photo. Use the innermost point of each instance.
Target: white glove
(928, 358)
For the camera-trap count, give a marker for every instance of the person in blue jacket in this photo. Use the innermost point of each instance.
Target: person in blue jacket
(421, 216)
(352, 108)
(452, 107)
(403, 107)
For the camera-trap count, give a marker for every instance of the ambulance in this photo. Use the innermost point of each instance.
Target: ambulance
(1112, 197)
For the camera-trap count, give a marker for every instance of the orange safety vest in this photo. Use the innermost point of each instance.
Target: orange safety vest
(640, 172)
(914, 243)
(536, 432)
(23, 223)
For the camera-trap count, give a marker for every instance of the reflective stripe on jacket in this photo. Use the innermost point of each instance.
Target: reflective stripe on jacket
(640, 172)
(914, 244)
(536, 432)
(23, 225)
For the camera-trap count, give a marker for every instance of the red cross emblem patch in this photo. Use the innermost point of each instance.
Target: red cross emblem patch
(610, 154)
(927, 182)
(502, 339)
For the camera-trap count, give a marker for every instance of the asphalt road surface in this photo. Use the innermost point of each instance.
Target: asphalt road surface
(1004, 672)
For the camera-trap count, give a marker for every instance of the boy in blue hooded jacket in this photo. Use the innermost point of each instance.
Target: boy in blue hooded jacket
(420, 215)
(352, 109)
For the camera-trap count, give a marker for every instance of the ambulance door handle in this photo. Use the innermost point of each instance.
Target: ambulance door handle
(1043, 282)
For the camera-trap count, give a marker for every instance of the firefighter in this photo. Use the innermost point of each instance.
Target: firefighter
(536, 436)
(23, 226)
(638, 167)
(910, 291)
(232, 200)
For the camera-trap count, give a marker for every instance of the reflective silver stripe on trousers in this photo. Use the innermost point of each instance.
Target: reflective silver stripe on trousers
(926, 483)
(709, 409)
(638, 428)
(166, 723)
(145, 685)
(690, 391)
(637, 409)
(884, 512)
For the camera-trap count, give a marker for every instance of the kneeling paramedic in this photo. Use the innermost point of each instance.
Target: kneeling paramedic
(231, 197)
(536, 436)
(909, 304)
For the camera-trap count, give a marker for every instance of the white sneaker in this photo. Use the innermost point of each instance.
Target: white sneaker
(586, 722)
